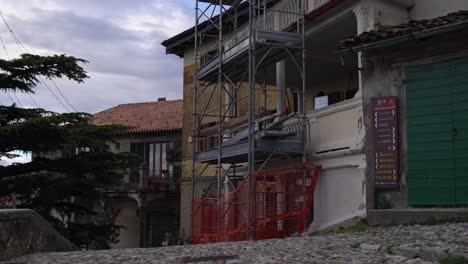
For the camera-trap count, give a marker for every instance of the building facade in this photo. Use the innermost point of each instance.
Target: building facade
(335, 102)
(149, 197)
(423, 65)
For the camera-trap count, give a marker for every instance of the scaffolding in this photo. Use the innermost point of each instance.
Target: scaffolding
(235, 41)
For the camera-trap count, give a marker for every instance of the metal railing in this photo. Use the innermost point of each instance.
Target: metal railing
(278, 18)
(336, 127)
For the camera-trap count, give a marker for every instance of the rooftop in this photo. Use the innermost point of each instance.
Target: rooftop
(144, 117)
(406, 30)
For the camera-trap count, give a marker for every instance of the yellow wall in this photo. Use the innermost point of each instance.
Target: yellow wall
(242, 108)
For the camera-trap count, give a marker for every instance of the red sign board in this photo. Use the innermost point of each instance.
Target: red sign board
(385, 142)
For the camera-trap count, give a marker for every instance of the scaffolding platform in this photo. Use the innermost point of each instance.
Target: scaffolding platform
(237, 153)
(269, 45)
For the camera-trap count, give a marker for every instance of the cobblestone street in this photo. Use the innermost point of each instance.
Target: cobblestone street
(403, 244)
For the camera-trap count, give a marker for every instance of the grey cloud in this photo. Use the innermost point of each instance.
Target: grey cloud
(125, 65)
(110, 49)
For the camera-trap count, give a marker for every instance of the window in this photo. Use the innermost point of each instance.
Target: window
(157, 159)
(152, 159)
(208, 57)
(209, 142)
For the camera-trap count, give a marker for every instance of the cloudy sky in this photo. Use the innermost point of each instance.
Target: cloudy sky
(120, 38)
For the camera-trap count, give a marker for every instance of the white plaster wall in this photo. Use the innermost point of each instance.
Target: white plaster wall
(130, 235)
(426, 9)
(336, 126)
(335, 141)
(340, 193)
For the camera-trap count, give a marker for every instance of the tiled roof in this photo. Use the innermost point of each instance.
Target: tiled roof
(413, 26)
(144, 117)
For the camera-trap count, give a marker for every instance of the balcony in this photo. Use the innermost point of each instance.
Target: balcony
(334, 130)
(274, 27)
(269, 139)
(142, 181)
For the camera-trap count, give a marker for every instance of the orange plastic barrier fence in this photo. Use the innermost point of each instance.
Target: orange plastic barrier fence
(265, 205)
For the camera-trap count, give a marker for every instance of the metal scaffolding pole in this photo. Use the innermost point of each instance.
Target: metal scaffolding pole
(195, 95)
(220, 102)
(251, 110)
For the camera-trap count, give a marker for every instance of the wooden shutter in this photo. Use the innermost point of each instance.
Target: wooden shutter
(437, 133)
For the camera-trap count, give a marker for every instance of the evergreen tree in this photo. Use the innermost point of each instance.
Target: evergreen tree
(73, 169)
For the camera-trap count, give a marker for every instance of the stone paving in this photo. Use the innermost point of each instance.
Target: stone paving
(402, 244)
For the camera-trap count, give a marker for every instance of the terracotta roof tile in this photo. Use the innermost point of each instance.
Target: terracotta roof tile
(144, 117)
(404, 29)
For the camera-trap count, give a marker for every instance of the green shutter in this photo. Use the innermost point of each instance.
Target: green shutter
(437, 102)
(460, 123)
(138, 150)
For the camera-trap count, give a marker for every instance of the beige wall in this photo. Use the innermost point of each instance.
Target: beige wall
(186, 187)
(336, 142)
(341, 190)
(186, 204)
(426, 9)
(128, 218)
(186, 183)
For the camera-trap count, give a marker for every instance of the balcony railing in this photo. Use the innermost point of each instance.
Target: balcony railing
(143, 181)
(278, 18)
(333, 129)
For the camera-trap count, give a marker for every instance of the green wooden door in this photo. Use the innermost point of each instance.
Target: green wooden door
(460, 133)
(437, 133)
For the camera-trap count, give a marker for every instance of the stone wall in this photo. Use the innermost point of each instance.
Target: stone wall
(25, 231)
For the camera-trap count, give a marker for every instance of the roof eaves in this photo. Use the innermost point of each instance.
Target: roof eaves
(180, 40)
(148, 131)
(405, 38)
(175, 44)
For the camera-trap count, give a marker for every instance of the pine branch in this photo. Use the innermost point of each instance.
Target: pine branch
(13, 114)
(23, 73)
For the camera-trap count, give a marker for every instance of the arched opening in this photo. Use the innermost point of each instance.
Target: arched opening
(129, 219)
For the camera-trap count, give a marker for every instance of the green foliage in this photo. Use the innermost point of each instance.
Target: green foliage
(356, 228)
(23, 73)
(454, 260)
(174, 153)
(72, 169)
